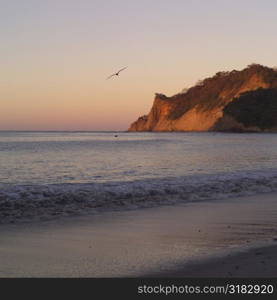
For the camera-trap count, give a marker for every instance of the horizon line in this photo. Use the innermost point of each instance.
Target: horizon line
(15, 130)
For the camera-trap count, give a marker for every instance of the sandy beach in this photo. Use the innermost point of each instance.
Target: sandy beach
(196, 240)
(254, 262)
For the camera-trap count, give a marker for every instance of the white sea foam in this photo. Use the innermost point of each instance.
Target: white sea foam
(28, 202)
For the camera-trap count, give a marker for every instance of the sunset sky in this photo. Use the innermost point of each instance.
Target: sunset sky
(56, 54)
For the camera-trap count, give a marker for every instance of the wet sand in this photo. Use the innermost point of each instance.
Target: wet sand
(255, 262)
(186, 240)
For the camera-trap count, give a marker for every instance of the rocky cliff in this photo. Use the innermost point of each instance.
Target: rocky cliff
(229, 101)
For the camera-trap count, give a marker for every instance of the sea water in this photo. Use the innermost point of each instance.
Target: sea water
(52, 173)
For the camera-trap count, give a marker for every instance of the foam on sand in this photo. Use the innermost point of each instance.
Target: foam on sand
(25, 202)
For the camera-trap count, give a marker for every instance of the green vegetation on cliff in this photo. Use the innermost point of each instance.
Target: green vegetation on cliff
(255, 109)
(231, 101)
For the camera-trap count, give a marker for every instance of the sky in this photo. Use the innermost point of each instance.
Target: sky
(55, 55)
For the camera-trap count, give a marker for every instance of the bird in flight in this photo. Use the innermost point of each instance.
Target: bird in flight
(116, 74)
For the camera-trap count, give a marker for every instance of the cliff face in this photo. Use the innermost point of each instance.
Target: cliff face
(202, 107)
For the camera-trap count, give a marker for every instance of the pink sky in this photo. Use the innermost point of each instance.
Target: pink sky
(55, 56)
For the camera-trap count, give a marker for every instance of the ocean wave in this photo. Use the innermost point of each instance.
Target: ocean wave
(37, 202)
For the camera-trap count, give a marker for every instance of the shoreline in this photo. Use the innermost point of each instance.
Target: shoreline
(167, 241)
(34, 203)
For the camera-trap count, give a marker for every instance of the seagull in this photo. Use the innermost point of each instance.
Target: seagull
(116, 74)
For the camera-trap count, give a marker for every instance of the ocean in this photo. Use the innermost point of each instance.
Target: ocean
(50, 174)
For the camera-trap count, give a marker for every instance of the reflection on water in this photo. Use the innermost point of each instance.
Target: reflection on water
(68, 157)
